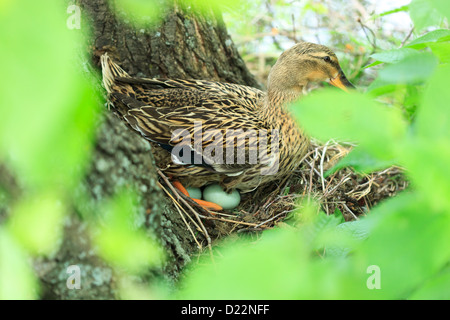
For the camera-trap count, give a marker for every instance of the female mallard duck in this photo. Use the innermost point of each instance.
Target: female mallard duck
(204, 132)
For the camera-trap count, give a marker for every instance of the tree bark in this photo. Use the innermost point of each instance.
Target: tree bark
(184, 44)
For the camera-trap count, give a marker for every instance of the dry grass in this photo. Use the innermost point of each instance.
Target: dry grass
(353, 194)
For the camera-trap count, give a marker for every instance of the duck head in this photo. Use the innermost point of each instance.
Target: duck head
(305, 62)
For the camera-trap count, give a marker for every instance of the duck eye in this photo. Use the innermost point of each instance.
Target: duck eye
(327, 59)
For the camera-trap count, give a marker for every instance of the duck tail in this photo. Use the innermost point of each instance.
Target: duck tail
(110, 71)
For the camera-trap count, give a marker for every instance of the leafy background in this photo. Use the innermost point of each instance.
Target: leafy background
(400, 116)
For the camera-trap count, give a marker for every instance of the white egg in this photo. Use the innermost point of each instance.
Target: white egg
(214, 193)
(194, 192)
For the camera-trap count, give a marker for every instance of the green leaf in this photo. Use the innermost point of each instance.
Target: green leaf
(321, 232)
(389, 12)
(122, 244)
(361, 161)
(439, 35)
(323, 223)
(337, 213)
(413, 69)
(351, 117)
(241, 270)
(393, 56)
(427, 150)
(381, 87)
(412, 98)
(441, 50)
(390, 56)
(402, 8)
(225, 4)
(354, 231)
(424, 14)
(141, 11)
(17, 280)
(278, 266)
(443, 6)
(436, 288)
(427, 164)
(316, 7)
(408, 242)
(433, 116)
(46, 125)
(375, 63)
(37, 223)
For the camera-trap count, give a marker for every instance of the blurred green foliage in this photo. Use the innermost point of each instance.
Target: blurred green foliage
(118, 241)
(49, 109)
(46, 130)
(424, 13)
(17, 280)
(148, 12)
(140, 11)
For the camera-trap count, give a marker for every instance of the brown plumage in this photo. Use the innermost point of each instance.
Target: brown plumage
(201, 118)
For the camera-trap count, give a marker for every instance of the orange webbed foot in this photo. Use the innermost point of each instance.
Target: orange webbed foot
(204, 204)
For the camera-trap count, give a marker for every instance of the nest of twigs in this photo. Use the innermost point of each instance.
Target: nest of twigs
(352, 193)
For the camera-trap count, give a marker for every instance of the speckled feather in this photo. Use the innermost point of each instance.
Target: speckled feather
(155, 108)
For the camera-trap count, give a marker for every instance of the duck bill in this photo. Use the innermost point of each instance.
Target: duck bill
(342, 82)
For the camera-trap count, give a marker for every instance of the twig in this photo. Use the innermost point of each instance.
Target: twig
(178, 206)
(322, 158)
(407, 37)
(372, 42)
(232, 221)
(274, 217)
(293, 29)
(351, 212)
(181, 207)
(322, 179)
(205, 232)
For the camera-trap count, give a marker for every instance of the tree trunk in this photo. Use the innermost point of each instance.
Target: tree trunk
(185, 44)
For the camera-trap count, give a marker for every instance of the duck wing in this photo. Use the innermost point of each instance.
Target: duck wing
(200, 129)
(204, 123)
(246, 97)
